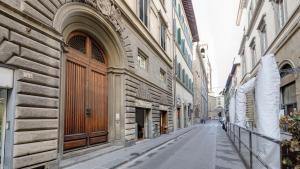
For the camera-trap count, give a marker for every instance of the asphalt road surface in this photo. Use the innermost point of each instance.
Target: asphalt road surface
(197, 149)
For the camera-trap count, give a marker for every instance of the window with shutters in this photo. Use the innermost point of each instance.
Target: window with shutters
(253, 52)
(179, 71)
(280, 11)
(143, 11)
(250, 107)
(174, 29)
(263, 35)
(163, 76)
(142, 60)
(163, 35)
(178, 36)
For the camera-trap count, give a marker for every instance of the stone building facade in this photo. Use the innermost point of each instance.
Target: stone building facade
(215, 107)
(206, 60)
(232, 84)
(83, 74)
(200, 109)
(185, 33)
(212, 102)
(271, 27)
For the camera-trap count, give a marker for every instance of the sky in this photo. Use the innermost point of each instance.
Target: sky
(216, 22)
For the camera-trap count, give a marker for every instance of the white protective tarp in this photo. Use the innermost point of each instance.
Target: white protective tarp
(232, 109)
(241, 101)
(267, 95)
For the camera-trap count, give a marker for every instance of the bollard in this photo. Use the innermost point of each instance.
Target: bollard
(239, 139)
(250, 149)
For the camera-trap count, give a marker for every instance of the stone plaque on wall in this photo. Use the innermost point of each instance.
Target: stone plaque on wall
(143, 92)
(163, 99)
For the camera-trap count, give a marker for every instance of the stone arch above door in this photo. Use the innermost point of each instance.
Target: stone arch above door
(52, 14)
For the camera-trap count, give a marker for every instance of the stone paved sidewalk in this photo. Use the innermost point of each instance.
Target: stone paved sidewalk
(120, 156)
(226, 155)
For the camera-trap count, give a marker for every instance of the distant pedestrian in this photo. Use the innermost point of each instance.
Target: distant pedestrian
(224, 127)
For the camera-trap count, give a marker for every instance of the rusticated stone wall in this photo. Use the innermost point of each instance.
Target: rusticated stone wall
(33, 48)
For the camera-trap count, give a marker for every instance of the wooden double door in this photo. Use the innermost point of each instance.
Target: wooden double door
(86, 117)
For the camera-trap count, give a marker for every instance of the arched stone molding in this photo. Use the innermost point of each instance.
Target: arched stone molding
(107, 15)
(285, 62)
(77, 17)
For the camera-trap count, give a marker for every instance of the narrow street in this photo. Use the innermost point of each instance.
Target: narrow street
(127, 84)
(205, 147)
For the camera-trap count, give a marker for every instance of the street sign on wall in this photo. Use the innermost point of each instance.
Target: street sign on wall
(6, 78)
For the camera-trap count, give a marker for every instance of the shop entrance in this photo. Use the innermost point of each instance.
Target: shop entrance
(163, 122)
(143, 123)
(178, 118)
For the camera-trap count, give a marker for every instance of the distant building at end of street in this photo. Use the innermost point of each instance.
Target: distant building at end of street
(200, 85)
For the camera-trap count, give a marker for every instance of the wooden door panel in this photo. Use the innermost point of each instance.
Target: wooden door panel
(98, 103)
(75, 104)
(98, 140)
(75, 144)
(76, 137)
(86, 115)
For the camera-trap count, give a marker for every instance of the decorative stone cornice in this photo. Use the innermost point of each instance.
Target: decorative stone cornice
(110, 11)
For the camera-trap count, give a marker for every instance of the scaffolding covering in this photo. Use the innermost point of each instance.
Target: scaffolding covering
(267, 99)
(241, 101)
(232, 109)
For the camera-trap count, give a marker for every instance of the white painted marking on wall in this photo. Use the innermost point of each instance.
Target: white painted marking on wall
(6, 78)
(28, 75)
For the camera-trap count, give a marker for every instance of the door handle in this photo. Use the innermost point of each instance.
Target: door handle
(88, 111)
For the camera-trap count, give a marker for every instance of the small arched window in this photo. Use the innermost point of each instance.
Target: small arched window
(97, 52)
(285, 69)
(202, 50)
(78, 42)
(83, 43)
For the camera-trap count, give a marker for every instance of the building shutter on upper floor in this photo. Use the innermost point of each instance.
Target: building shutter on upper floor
(250, 107)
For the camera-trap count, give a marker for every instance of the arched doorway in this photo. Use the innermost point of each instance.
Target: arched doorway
(86, 117)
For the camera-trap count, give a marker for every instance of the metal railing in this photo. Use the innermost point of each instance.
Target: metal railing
(247, 142)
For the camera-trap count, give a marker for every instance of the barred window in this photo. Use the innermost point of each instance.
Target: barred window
(78, 42)
(97, 52)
